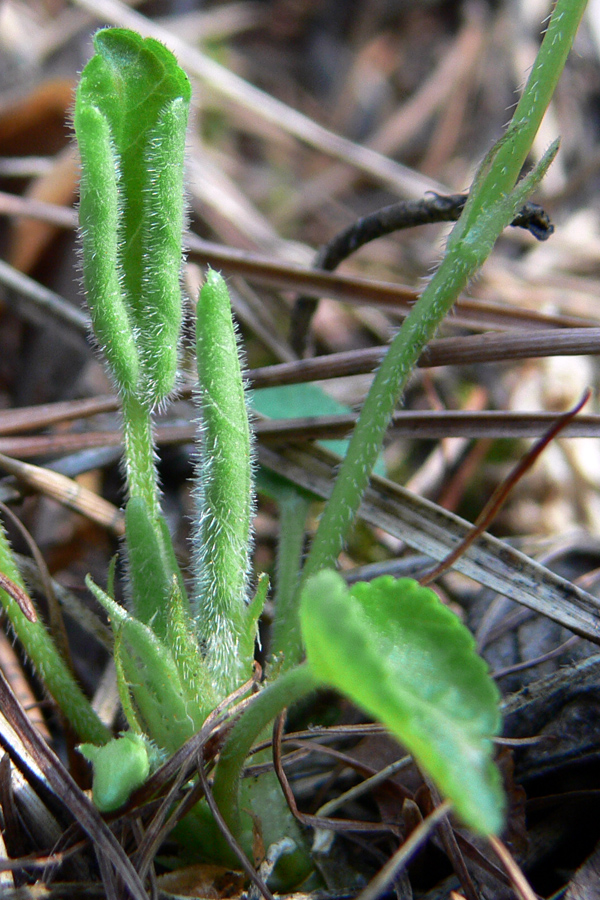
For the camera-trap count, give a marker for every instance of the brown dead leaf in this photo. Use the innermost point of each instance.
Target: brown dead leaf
(203, 881)
(37, 123)
(30, 237)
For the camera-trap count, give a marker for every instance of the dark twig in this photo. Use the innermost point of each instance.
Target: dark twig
(467, 349)
(109, 852)
(22, 599)
(337, 825)
(538, 660)
(450, 845)
(519, 882)
(156, 831)
(225, 831)
(432, 209)
(378, 886)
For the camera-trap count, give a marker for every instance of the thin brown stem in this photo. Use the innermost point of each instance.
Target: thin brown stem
(496, 501)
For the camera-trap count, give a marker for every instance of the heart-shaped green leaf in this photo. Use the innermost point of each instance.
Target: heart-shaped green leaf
(395, 650)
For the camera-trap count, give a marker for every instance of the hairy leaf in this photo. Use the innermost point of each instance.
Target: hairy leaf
(130, 119)
(224, 492)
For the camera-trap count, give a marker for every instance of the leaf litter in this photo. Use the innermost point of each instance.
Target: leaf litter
(358, 109)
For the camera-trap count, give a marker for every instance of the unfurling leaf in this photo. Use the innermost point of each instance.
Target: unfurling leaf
(130, 119)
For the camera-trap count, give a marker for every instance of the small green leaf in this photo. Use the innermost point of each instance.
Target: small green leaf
(288, 401)
(99, 224)
(169, 712)
(396, 651)
(253, 613)
(120, 767)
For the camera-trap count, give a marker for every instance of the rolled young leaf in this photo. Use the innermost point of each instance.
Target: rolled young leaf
(394, 649)
(99, 223)
(130, 120)
(169, 709)
(223, 493)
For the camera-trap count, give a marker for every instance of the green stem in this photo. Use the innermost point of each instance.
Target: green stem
(291, 686)
(466, 252)
(286, 638)
(535, 99)
(151, 557)
(49, 664)
(140, 454)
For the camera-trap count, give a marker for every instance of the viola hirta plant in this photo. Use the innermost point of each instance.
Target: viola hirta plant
(390, 646)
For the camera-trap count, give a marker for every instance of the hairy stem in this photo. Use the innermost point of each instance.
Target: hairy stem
(140, 455)
(486, 214)
(48, 663)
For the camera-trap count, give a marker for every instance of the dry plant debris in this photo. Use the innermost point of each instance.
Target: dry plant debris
(358, 106)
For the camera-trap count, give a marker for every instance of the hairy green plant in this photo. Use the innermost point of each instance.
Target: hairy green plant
(390, 646)
(224, 495)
